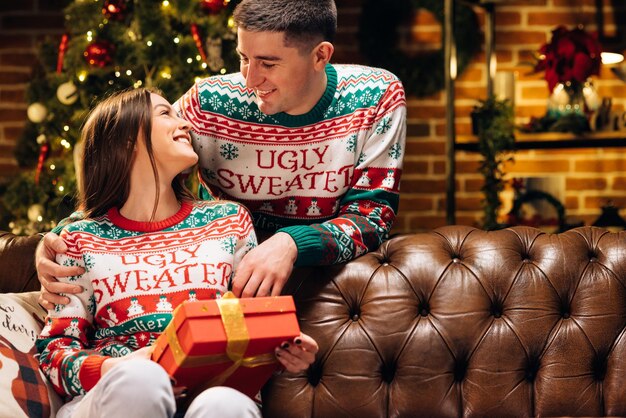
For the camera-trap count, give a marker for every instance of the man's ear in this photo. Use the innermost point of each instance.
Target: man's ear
(322, 54)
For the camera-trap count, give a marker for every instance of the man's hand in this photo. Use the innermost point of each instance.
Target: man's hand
(298, 355)
(48, 270)
(266, 268)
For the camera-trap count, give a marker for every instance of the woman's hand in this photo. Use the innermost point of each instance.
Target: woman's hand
(108, 364)
(145, 352)
(297, 355)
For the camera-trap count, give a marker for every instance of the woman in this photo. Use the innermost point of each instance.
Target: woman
(146, 246)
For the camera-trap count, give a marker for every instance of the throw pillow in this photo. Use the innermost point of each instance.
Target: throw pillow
(24, 390)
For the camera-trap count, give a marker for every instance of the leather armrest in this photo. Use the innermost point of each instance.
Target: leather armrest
(17, 263)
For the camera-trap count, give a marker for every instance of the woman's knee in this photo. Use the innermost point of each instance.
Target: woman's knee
(137, 387)
(137, 374)
(223, 402)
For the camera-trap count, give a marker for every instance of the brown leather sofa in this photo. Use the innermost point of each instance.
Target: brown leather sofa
(457, 322)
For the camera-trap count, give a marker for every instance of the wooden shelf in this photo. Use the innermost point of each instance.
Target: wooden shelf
(553, 140)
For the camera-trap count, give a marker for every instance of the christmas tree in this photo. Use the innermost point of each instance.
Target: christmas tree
(108, 45)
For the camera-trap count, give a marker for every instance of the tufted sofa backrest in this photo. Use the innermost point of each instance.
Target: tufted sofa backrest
(462, 322)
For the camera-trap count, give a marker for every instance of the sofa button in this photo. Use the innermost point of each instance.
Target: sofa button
(526, 261)
(424, 312)
(388, 372)
(355, 317)
(593, 260)
(456, 260)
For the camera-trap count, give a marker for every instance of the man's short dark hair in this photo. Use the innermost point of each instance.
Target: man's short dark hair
(305, 23)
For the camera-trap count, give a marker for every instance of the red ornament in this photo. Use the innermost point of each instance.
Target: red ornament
(43, 154)
(99, 53)
(114, 9)
(196, 37)
(213, 6)
(62, 48)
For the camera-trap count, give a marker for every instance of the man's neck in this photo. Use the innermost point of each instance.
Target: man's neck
(318, 89)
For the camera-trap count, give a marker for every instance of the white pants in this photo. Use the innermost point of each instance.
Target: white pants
(141, 388)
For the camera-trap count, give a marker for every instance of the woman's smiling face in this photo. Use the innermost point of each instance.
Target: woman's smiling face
(171, 142)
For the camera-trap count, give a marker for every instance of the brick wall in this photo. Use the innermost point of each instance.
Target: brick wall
(590, 176)
(23, 25)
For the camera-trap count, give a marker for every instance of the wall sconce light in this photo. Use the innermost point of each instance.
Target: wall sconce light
(611, 58)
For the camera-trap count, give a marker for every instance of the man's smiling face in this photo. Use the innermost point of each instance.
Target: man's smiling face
(282, 77)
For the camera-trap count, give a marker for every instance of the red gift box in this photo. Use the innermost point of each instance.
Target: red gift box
(226, 342)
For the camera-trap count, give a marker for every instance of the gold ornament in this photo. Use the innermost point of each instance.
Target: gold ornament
(37, 112)
(67, 93)
(35, 213)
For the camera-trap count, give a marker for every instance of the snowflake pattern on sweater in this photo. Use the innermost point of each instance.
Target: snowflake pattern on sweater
(329, 178)
(136, 273)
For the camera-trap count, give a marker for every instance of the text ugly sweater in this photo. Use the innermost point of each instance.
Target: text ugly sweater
(136, 273)
(329, 178)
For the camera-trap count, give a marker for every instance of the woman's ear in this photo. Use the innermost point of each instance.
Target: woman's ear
(322, 54)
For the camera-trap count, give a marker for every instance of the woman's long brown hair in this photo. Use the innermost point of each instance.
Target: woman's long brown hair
(109, 136)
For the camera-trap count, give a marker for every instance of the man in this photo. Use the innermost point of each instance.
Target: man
(314, 150)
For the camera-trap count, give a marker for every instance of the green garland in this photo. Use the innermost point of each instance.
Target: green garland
(422, 74)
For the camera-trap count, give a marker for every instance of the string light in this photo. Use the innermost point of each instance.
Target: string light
(223, 71)
(189, 60)
(53, 167)
(117, 74)
(61, 188)
(89, 36)
(176, 40)
(149, 43)
(66, 129)
(129, 72)
(165, 74)
(138, 84)
(198, 57)
(82, 76)
(165, 3)
(204, 65)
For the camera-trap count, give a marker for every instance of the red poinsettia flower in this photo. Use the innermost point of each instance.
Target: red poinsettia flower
(570, 56)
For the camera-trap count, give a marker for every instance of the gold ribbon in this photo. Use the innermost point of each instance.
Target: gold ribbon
(237, 343)
(237, 336)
